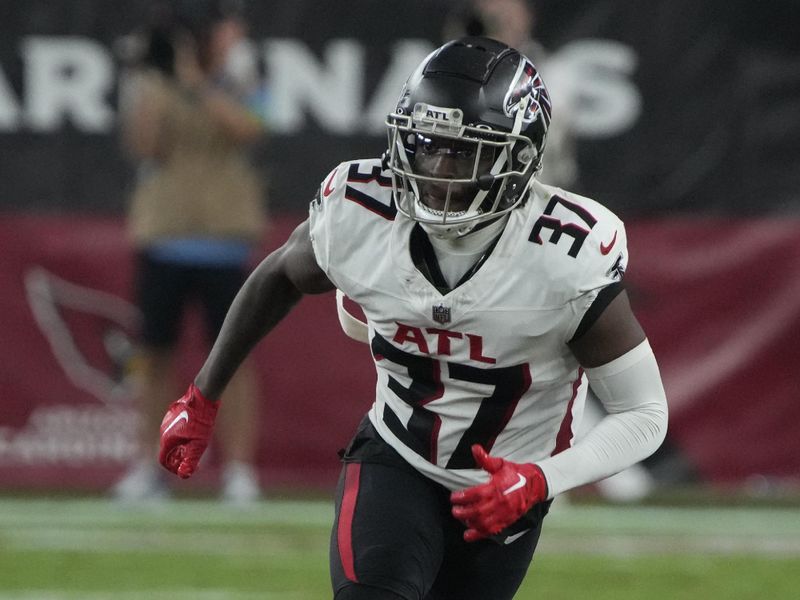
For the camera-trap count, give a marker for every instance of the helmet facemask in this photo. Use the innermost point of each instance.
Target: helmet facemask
(450, 177)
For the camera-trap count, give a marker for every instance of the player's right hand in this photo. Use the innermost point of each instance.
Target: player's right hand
(186, 431)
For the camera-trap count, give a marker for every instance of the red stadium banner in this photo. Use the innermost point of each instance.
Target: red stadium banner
(719, 299)
(68, 418)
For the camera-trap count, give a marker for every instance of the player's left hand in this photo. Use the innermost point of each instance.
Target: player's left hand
(490, 507)
(186, 431)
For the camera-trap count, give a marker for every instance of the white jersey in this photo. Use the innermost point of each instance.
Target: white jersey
(487, 362)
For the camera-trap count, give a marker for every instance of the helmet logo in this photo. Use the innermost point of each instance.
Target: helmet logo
(528, 84)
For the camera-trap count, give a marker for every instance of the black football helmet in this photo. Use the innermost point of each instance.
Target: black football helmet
(467, 135)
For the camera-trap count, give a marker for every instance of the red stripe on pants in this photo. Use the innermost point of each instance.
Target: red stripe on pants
(344, 533)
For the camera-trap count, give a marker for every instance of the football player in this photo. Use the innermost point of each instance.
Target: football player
(492, 302)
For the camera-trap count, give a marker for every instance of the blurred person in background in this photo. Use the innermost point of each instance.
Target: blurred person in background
(195, 217)
(513, 22)
(492, 302)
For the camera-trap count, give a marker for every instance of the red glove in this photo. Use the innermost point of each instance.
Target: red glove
(490, 507)
(186, 431)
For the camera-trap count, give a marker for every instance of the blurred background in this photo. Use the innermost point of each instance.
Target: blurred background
(682, 116)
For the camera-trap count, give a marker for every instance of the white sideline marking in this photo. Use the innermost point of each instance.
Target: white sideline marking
(101, 512)
(202, 527)
(208, 543)
(172, 594)
(622, 546)
(738, 522)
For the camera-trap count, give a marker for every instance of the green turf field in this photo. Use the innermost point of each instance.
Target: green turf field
(92, 549)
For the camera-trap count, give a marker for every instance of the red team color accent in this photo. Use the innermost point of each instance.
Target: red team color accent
(476, 350)
(564, 437)
(434, 442)
(409, 333)
(605, 249)
(443, 344)
(344, 533)
(328, 189)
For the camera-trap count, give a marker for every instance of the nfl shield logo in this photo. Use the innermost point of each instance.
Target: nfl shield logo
(441, 314)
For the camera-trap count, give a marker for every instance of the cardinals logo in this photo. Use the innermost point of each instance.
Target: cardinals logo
(89, 332)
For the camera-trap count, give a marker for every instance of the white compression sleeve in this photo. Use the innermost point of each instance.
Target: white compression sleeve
(631, 391)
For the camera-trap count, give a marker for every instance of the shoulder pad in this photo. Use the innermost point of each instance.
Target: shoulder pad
(363, 182)
(578, 225)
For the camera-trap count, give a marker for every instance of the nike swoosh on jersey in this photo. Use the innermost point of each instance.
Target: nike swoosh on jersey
(605, 249)
(328, 189)
(520, 484)
(513, 538)
(182, 415)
